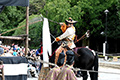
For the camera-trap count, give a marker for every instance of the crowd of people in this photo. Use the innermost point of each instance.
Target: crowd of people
(14, 50)
(56, 72)
(11, 50)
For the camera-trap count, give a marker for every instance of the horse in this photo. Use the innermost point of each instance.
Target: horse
(84, 59)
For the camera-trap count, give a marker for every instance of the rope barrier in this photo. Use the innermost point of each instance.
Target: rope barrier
(42, 61)
(19, 27)
(76, 69)
(12, 29)
(29, 24)
(99, 71)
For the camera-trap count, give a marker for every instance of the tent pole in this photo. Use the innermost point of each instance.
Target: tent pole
(27, 30)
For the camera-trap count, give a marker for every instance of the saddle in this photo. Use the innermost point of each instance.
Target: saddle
(75, 51)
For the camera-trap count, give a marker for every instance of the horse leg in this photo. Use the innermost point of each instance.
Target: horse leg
(84, 75)
(93, 75)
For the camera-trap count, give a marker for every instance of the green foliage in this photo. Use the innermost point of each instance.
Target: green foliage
(59, 11)
(89, 14)
(36, 5)
(92, 18)
(118, 8)
(35, 33)
(114, 20)
(10, 17)
(35, 30)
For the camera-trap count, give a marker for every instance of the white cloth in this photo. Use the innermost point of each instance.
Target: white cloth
(69, 33)
(46, 42)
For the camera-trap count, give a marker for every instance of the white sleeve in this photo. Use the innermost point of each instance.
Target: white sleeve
(67, 33)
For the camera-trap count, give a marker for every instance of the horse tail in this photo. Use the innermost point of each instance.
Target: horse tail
(96, 66)
(96, 62)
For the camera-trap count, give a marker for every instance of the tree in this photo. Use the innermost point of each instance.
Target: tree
(10, 17)
(118, 8)
(35, 30)
(89, 14)
(59, 11)
(36, 5)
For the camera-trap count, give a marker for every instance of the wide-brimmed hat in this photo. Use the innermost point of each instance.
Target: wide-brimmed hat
(70, 20)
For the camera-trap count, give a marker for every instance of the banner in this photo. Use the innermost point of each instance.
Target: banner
(1, 8)
(15, 68)
(13, 3)
(46, 42)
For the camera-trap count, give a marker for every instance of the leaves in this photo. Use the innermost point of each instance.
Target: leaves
(35, 30)
(89, 14)
(10, 18)
(118, 8)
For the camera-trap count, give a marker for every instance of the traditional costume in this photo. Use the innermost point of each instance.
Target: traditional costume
(67, 37)
(67, 72)
(52, 75)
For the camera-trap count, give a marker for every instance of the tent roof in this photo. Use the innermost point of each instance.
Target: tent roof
(14, 2)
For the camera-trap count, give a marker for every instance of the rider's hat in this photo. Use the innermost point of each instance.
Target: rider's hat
(70, 20)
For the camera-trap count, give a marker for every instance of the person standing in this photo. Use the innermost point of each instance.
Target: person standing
(14, 52)
(52, 74)
(1, 48)
(39, 53)
(67, 73)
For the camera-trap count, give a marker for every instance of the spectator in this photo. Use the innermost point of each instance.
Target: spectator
(14, 52)
(39, 52)
(7, 54)
(1, 48)
(13, 45)
(67, 72)
(20, 53)
(52, 75)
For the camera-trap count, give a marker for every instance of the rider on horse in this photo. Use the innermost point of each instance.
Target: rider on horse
(67, 37)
